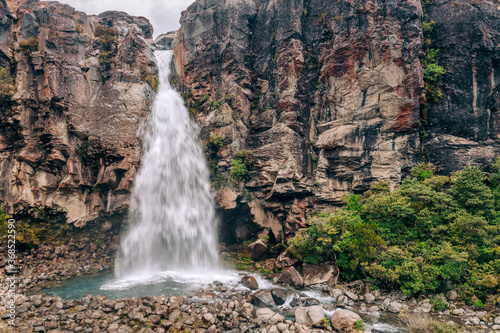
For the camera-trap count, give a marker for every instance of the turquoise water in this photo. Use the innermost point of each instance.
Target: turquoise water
(77, 288)
(182, 284)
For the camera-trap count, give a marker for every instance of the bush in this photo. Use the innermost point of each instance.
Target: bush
(238, 169)
(430, 234)
(7, 86)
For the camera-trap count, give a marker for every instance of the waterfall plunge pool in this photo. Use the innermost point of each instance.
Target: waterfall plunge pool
(187, 284)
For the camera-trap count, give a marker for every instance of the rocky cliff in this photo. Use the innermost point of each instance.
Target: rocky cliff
(75, 89)
(325, 94)
(464, 127)
(325, 98)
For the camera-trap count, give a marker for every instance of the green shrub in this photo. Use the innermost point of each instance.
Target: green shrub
(238, 169)
(439, 303)
(105, 58)
(7, 86)
(430, 234)
(360, 325)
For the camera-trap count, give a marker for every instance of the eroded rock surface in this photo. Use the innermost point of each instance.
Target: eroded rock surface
(68, 140)
(324, 93)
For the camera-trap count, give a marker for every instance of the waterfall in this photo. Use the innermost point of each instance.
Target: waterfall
(172, 221)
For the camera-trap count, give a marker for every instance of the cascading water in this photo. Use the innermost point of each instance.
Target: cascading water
(172, 221)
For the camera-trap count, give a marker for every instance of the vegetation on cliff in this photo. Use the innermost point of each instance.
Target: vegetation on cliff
(432, 70)
(431, 234)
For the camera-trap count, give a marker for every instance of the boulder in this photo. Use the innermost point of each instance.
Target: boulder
(319, 274)
(394, 307)
(344, 320)
(256, 250)
(291, 277)
(352, 295)
(263, 298)
(310, 316)
(279, 296)
(369, 298)
(250, 282)
(285, 260)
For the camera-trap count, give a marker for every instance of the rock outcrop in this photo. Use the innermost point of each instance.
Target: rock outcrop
(68, 141)
(325, 95)
(464, 127)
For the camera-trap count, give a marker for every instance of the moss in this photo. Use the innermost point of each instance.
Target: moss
(28, 46)
(149, 78)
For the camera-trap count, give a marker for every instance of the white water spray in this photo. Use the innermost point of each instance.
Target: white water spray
(172, 221)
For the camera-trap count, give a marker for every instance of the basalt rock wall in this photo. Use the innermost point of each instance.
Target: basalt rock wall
(325, 94)
(78, 93)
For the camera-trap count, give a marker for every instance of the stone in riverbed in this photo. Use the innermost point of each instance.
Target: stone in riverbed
(369, 298)
(344, 320)
(279, 296)
(394, 307)
(263, 298)
(312, 315)
(351, 295)
(250, 282)
(291, 277)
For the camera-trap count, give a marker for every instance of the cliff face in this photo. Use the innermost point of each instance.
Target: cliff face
(325, 94)
(464, 127)
(68, 141)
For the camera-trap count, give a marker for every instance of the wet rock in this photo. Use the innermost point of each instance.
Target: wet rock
(256, 250)
(279, 296)
(344, 320)
(250, 282)
(311, 316)
(291, 277)
(263, 298)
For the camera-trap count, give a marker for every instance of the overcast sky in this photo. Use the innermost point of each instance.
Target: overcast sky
(163, 14)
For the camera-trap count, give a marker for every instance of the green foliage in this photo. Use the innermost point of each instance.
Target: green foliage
(216, 141)
(430, 234)
(433, 72)
(105, 58)
(238, 169)
(246, 156)
(43, 226)
(439, 303)
(7, 86)
(359, 325)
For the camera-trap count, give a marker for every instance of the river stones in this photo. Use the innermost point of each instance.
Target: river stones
(344, 320)
(291, 277)
(263, 298)
(250, 282)
(279, 296)
(312, 315)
